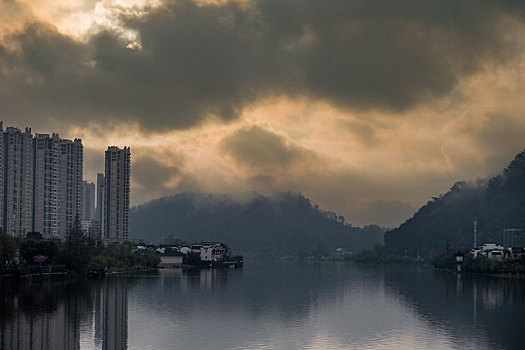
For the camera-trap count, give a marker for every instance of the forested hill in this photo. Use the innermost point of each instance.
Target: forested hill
(284, 224)
(496, 204)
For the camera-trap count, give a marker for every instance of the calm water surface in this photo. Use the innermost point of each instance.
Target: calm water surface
(268, 305)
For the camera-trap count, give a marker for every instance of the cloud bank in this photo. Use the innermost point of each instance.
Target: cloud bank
(367, 107)
(191, 62)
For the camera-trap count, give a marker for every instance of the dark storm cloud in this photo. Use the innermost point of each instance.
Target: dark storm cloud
(199, 61)
(262, 150)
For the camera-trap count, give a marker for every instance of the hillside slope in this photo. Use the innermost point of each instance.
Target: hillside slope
(284, 224)
(496, 204)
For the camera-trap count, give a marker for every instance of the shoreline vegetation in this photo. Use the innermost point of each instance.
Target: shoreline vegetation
(34, 256)
(481, 265)
(446, 262)
(378, 255)
(82, 256)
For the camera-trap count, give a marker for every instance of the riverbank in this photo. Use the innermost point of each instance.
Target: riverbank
(42, 272)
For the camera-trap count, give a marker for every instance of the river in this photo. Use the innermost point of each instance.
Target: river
(268, 305)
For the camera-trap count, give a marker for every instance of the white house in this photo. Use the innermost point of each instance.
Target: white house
(212, 251)
(492, 251)
(169, 261)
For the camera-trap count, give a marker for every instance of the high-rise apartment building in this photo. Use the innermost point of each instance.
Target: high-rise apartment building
(116, 218)
(40, 182)
(101, 195)
(88, 201)
(46, 179)
(57, 184)
(2, 176)
(70, 173)
(17, 173)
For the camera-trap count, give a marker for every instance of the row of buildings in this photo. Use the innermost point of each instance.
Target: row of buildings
(513, 247)
(42, 188)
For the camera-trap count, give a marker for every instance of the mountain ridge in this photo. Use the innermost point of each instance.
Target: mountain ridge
(284, 224)
(447, 221)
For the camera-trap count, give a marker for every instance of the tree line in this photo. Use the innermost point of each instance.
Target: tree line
(79, 254)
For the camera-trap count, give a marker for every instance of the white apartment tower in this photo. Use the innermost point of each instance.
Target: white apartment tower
(116, 217)
(40, 182)
(70, 172)
(17, 173)
(46, 180)
(57, 185)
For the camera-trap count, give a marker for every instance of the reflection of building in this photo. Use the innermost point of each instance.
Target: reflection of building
(111, 315)
(56, 329)
(71, 315)
(116, 218)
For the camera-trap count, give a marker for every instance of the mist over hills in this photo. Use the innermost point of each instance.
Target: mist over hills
(283, 224)
(496, 204)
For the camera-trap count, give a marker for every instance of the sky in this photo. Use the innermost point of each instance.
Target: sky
(369, 108)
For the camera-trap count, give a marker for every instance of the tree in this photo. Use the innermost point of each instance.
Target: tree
(30, 248)
(34, 235)
(7, 248)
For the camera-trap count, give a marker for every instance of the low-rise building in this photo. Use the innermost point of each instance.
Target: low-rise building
(213, 251)
(486, 249)
(170, 260)
(498, 252)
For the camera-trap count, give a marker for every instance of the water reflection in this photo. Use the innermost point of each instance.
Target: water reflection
(42, 315)
(64, 315)
(110, 314)
(279, 305)
(471, 307)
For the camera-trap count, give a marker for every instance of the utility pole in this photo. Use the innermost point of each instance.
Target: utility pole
(475, 234)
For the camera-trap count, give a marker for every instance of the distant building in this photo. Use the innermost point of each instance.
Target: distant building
(40, 182)
(57, 186)
(101, 195)
(492, 251)
(91, 229)
(213, 251)
(88, 201)
(70, 185)
(45, 201)
(2, 167)
(17, 173)
(514, 237)
(171, 260)
(208, 251)
(117, 191)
